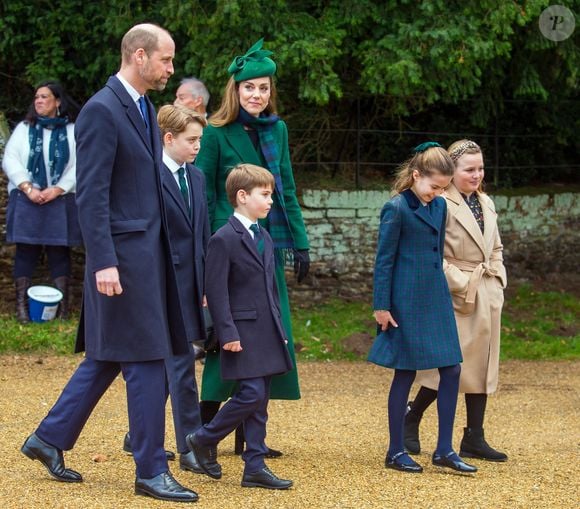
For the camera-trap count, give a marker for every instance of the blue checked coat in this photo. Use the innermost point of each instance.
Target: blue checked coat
(410, 283)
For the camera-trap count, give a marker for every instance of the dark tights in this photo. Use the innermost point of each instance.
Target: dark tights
(27, 256)
(446, 405)
(474, 404)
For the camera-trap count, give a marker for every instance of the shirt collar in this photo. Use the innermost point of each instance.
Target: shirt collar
(132, 92)
(170, 163)
(244, 220)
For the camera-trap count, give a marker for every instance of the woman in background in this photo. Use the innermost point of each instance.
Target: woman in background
(40, 163)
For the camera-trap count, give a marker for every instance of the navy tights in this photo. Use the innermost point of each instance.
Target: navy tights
(446, 405)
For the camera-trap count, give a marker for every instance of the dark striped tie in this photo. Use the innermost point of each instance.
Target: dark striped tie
(258, 238)
(183, 186)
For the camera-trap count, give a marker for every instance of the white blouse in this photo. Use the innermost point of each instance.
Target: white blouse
(16, 155)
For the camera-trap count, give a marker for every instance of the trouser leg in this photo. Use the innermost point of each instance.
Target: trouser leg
(145, 383)
(66, 419)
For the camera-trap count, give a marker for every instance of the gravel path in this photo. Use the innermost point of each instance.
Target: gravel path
(334, 441)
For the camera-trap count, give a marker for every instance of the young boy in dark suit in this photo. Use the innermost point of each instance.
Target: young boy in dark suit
(183, 187)
(243, 301)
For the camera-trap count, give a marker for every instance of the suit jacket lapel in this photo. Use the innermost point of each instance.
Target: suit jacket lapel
(247, 239)
(193, 192)
(133, 111)
(241, 143)
(465, 217)
(173, 189)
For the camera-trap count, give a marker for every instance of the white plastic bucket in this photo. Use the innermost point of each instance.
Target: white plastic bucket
(43, 302)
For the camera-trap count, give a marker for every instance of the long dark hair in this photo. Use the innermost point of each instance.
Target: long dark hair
(68, 107)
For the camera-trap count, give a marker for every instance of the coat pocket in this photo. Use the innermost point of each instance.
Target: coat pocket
(245, 314)
(460, 306)
(128, 226)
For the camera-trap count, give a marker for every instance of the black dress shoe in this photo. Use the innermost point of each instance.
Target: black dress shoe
(189, 462)
(50, 457)
(403, 463)
(206, 457)
(164, 487)
(239, 445)
(170, 455)
(451, 460)
(265, 478)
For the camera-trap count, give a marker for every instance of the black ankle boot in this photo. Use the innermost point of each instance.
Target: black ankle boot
(63, 284)
(473, 445)
(22, 284)
(412, 420)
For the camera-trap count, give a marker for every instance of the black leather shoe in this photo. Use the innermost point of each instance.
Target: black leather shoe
(273, 453)
(206, 457)
(240, 441)
(50, 457)
(451, 460)
(127, 448)
(265, 478)
(403, 463)
(164, 487)
(189, 462)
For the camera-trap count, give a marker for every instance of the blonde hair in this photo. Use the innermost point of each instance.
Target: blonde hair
(175, 119)
(246, 177)
(461, 147)
(230, 106)
(430, 161)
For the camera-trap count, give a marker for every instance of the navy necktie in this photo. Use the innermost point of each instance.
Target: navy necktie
(144, 112)
(183, 186)
(258, 238)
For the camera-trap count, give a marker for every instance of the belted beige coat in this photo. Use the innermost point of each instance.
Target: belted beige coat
(473, 265)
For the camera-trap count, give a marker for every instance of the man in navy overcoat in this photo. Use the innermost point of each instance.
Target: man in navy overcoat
(127, 323)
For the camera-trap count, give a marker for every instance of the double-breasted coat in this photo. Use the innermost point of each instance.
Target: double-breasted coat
(410, 283)
(222, 149)
(243, 302)
(476, 276)
(124, 226)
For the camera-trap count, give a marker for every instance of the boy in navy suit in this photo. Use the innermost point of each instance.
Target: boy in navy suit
(243, 301)
(183, 186)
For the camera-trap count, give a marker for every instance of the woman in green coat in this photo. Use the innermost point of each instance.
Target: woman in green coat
(246, 129)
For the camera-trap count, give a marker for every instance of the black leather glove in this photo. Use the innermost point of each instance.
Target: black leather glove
(301, 264)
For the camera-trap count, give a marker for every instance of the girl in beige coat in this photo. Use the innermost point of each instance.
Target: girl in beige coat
(473, 265)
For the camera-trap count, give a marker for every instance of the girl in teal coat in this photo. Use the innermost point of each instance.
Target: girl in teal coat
(246, 129)
(412, 302)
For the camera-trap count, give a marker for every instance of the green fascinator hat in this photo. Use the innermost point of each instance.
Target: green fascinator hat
(254, 64)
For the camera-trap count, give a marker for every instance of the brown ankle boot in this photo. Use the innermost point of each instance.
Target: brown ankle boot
(63, 284)
(22, 284)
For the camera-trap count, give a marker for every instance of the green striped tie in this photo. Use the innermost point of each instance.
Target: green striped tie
(258, 238)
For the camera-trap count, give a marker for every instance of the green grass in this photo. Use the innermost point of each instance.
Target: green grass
(54, 337)
(319, 330)
(535, 326)
(541, 325)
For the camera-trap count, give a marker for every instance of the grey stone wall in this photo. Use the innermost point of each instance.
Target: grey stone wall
(541, 236)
